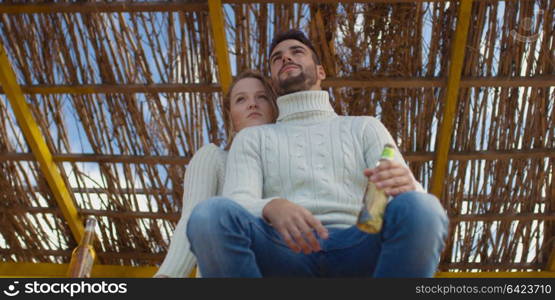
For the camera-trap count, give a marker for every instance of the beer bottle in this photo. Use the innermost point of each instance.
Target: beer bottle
(82, 257)
(370, 217)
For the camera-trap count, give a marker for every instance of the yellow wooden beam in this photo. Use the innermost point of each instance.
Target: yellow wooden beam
(498, 155)
(161, 6)
(113, 271)
(154, 88)
(98, 7)
(123, 271)
(38, 146)
(538, 81)
(220, 43)
(551, 261)
(541, 274)
(60, 270)
(458, 50)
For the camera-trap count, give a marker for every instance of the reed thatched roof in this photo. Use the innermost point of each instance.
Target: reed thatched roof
(125, 92)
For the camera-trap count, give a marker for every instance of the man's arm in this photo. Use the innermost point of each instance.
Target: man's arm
(394, 177)
(244, 184)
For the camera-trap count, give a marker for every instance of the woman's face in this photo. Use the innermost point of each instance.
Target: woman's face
(250, 104)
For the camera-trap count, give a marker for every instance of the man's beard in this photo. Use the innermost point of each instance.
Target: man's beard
(301, 82)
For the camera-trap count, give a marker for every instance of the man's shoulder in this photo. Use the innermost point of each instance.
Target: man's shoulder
(357, 119)
(257, 128)
(361, 124)
(254, 131)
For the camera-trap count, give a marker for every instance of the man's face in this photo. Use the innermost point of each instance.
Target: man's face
(293, 68)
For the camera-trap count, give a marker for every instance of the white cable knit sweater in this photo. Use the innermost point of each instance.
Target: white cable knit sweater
(203, 180)
(311, 156)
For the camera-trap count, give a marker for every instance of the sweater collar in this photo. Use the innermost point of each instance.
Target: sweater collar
(304, 105)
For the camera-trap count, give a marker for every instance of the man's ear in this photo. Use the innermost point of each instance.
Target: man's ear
(321, 72)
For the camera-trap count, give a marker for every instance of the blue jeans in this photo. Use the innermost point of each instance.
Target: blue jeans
(228, 241)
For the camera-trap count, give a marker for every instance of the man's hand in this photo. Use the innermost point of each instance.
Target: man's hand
(295, 224)
(392, 177)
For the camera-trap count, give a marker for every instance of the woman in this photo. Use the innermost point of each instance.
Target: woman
(250, 101)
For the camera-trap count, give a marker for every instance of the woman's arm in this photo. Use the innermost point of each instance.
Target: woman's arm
(243, 179)
(201, 182)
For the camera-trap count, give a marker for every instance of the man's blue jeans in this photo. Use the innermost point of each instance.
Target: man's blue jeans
(228, 241)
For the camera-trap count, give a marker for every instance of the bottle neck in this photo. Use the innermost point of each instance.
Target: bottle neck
(89, 231)
(87, 238)
(381, 160)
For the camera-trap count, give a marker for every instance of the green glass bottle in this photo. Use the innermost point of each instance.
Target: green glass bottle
(370, 217)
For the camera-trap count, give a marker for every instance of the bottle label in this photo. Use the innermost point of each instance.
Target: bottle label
(371, 216)
(81, 262)
(87, 266)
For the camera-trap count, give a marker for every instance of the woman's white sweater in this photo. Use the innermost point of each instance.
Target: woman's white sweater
(204, 179)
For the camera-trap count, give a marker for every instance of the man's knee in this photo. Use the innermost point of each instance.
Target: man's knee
(419, 209)
(207, 213)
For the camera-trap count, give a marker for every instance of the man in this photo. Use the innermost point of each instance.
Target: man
(293, 191)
